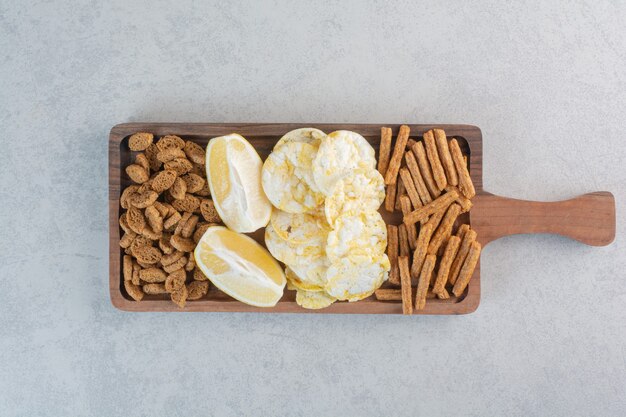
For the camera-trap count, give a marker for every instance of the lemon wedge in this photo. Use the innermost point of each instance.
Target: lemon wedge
(240, 267)
(233, 169)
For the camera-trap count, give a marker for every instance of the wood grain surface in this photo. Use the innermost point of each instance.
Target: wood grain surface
(589, 218)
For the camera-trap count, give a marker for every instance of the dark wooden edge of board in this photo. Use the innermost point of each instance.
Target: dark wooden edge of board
(470, 138)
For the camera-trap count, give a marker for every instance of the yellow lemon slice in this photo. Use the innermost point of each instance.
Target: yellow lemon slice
(339, 153)
(357, 236)
(314, 300)
(240, 267)
(359, 190)
(305, 134)
(347, 280)
(233, 171)
(288, 180)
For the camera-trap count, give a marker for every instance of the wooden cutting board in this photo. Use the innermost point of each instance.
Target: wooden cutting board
(589, 218)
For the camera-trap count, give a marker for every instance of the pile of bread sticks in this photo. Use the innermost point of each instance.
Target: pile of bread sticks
(431, 254)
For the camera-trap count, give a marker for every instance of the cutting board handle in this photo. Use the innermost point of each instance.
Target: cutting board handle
(589, 218)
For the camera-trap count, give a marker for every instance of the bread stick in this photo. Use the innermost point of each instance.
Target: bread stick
(434, 160)
(424, 166)
(400, 191)
(438, 204)
(418, 180)
(444, 154)
(460, 232)
(384, 151)
(468, 238)
(403, 240)
(467, 270)
(388, 294)
(411, 191)
(390, 197)
(424, 281)
(420, 250)
(393, 294)
(465, 180)
(445, 228)
(446, 261)
(392, 253)
(411, 230)
(398, 152)
(405, 280)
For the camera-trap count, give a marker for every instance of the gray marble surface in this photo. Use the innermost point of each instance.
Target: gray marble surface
(544, 81)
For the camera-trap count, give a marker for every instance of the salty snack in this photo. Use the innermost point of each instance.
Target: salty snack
(300, 228)
(240, 267)
(163, 180)
(424, 281)
(296, 283)
(188, 203)
(429, 195)
(292, 253)
(384, 151)
(405, 280)
(169, 154)
(445, 228)
(155, 230)
(465, 181)
(152, 275)
(469, 237)
(433, 159)
(422, 213)
(392, 253)
(193, 182)
(359, 190)
(287, 178)
(234, 173)
(140, 141)
(194, 153)
(467, 270)
(398, 152)
(154, 289)
(133, 290)
(180, 165)
(421, 249)
(388, 294)
(411, 190)
(352, 281)
(400, 191)
(137, 173)
(313, 300)
(444, 155)
(390, 197)
(179, 297)
(403, 240)
(357, 236)
(411, 230)
(446, 261)
(418, 179)
(306, 134)
(339, 153)
(197, 289)
(178, 190)
(424, 167)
